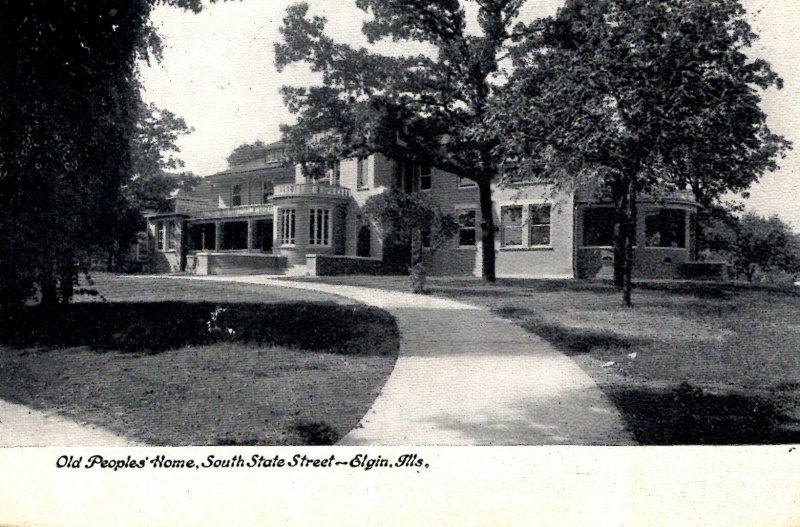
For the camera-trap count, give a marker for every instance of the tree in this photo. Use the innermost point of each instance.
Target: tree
(633, 96)
(68, 103)
(425, 108)
(410, 225)
(154, 175)
(767, 245)
(246, 152)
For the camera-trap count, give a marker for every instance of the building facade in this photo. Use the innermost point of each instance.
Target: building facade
(264, 217)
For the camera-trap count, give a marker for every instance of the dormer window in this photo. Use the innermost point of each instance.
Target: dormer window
(274, 156)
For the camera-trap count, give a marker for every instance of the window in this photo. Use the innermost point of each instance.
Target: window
(666, 228)
(361, 173)
(171, 231)
(166, 235)
(319, 225)
(274, 156)
(466, 183)
(161, 234)
(287, 226)
(539, 225)
(466, 228)
(236, 195)
(598, 226)
(424, 177)
(511, 218)
(266, 191)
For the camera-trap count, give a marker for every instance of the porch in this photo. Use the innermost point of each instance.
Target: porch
(246, 228)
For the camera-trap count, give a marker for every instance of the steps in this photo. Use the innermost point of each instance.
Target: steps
(297, 270)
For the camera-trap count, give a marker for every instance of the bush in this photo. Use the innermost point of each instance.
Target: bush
(159, 326)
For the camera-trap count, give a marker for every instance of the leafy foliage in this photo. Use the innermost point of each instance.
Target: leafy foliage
(246, 152)
(152, 179)
(69, 98)
(634, 95)
(766, 244)
(428, 108)
(407, 223)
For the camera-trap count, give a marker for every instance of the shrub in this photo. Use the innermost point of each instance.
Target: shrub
(159, 326)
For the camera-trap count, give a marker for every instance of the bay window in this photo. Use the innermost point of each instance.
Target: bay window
(666, 228)
(287, 226)
(319, 224)
(598, 226)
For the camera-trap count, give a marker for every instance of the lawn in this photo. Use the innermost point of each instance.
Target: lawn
(696, 363)
(172, 362)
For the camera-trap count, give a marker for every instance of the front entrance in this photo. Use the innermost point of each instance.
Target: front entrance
(363, 241)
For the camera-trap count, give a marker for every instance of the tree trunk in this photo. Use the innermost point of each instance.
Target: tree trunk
(697, 232)
(619, 240)
(49, 290)
(630, 239)
(487, 230)
(417, 269)
(66, 284)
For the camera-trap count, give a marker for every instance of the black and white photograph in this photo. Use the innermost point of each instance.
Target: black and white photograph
(300, 243)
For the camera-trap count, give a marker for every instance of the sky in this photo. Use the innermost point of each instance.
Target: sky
(218, 73)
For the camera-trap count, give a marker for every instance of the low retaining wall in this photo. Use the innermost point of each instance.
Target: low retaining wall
(717, 271)
(238, 264)
(328, 265)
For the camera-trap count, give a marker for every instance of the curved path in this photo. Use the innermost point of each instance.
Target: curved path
(22, 426)
(467, 377)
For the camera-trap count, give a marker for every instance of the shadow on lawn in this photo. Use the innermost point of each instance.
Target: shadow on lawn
(154, 327)
(571, 341)
(687, 415)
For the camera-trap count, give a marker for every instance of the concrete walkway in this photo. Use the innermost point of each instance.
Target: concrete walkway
(467, 377)
(22, 426)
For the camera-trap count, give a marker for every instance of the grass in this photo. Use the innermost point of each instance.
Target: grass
(170, 372)
(691, 363)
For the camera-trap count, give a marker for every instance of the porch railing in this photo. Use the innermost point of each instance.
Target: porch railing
(297, 189)
(235, 212)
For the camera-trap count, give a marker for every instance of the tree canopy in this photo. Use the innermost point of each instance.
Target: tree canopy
(765, 244)
(246, 152)
(632, 96)
(408, 224)
(428, 108)
(69, 98)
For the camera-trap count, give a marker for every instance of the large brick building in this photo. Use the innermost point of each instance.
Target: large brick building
(264, 217)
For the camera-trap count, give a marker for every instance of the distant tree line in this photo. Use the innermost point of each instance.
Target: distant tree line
(761, 248)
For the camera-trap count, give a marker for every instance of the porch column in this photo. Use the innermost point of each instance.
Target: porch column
(251, 234)
(218, 236)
